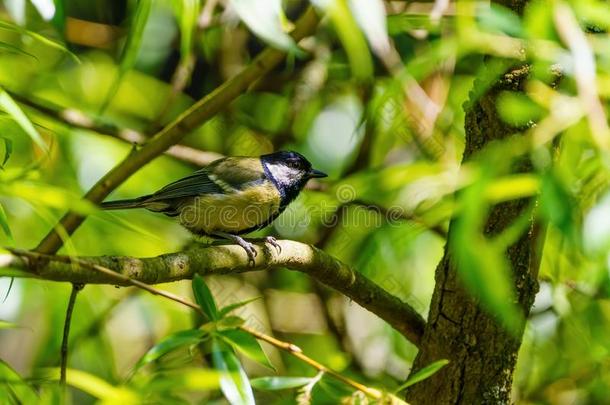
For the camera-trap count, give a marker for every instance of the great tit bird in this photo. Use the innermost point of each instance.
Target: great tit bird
(231, 196)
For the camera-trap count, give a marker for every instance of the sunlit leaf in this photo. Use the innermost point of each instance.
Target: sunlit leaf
(187, 12)
(371, 17)
(12, 108)
(47, 195)
(204, 298)
(512, 187)
(422, 374)
(246, 344)
(265, 18)
(495, 18)
(95, 386)
(170, 343)
(517, 109)
(8, 325)
(279, 383)
(187, 379)
(4, 224)
(234, 382)
(18, 387)
(232, 307)
(132, 47)
(482, 265)
(351, 37)
(12, 27)
(229, 322)
(8, 150)
(6, 47)
(557, 205)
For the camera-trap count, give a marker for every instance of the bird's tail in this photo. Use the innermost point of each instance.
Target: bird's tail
(125, 204)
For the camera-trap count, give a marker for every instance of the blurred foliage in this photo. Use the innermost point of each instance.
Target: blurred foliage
(376, 98)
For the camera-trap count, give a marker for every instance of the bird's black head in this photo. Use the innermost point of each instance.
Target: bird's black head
(289, 171)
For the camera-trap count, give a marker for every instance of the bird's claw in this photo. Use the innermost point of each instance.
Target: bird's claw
(273, 242)
(250, 251)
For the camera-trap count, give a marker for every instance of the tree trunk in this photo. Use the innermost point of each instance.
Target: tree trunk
(482, 353)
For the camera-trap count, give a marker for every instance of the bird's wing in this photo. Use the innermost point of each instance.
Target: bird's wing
(233, 173)
(192, 185)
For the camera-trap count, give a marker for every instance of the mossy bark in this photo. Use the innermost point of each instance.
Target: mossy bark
(482, 353)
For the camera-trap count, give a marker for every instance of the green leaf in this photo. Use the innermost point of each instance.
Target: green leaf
(170, 343)
(232, 307)
(350, 36)
(6, 47)
(482, 265)
(18, 387)
(204, 298)
(8, 325)
(279, 383)
(95, 386)
(266, 19)
(518, 109)
(246, 344)
(12, 108)
(131, 49)
(47, 195)
(422, 374)
(8, 150)
(229, 322)
(185, 379)
(52, 44)
(59, 18)
(498, 19)
(234, 382)
(4, 224)
(187, 12)
(371, 17)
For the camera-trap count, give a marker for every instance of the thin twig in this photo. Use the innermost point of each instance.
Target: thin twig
(64, 340)
(286, 346)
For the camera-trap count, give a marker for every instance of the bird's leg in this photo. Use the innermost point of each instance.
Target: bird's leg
(247, 246)
(270, 240)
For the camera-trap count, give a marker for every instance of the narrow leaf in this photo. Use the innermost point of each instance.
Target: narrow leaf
(232, 307)
(20, 389)
(131, 49)
(12, 108)
(8, 150)
(371, 17)
(4, 224)
(6, 47)
(52, 44)
(246, 344)
(170, 343)
(265, 18)
(204, 298)
(422, 374)
(234, 382)
(187, 12)
(279, 383)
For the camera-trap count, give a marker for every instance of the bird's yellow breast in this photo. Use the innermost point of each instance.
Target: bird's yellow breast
(232, 212)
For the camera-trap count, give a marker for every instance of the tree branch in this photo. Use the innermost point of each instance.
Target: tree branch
(192, 118)
(227, 259)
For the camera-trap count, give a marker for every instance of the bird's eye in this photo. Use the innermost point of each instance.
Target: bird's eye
(293, 164)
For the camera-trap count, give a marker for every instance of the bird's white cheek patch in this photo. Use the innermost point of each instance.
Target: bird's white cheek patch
(283, 174)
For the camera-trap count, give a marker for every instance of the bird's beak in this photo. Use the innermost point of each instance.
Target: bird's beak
(313, 174)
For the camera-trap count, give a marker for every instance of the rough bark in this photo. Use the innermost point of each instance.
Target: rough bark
(482, 353)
